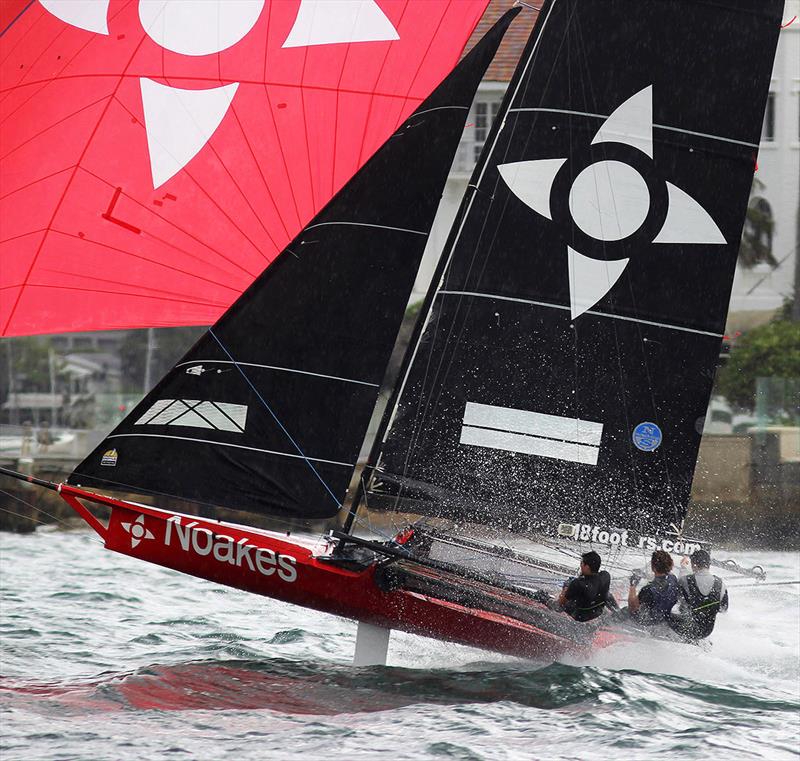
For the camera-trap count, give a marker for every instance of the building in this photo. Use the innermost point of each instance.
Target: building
(758, 289)
(764, 286)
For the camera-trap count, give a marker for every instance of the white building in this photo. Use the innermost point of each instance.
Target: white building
(766, 285)
(757, 290)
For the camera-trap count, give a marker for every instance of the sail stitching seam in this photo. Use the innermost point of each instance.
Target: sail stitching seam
(590, 311)
(439, 108)
(658, 126)
(226, 444)
(368, 224)
(276, 367)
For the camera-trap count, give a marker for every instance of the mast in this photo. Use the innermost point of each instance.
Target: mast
(439, 271)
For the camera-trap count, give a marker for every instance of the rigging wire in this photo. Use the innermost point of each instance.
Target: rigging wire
(38, 509)
(33, 507)
(27, 517)
(759, 584)
(274, 416)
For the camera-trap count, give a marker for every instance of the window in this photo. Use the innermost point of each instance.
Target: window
(485, 112)
(768, 128)
(481, 115)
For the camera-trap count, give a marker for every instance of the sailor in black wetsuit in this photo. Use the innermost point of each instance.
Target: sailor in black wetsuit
(703, 596)
(585, 596)
(653, 605)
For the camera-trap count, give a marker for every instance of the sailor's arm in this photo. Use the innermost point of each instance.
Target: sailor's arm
(683, 598)
(723, 604)
(633, 599)
(568, 591)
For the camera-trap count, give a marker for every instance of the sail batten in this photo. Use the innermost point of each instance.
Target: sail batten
(268, 411)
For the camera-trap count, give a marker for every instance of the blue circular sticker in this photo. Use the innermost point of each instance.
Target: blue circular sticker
(647, 437)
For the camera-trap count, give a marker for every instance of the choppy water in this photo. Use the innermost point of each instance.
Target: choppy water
(105, 657)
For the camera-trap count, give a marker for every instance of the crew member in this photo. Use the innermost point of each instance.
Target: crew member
(653, 605)
(585, 596)
(703, 595)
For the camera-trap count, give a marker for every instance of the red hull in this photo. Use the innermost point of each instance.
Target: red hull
(272, 565)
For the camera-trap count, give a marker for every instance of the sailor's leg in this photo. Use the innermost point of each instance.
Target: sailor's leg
(372, 644)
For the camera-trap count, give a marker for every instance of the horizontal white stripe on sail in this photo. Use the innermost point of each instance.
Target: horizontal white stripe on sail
(533, 423)
(515, 442)
(197, 368)
(228, 444)
(535, 433)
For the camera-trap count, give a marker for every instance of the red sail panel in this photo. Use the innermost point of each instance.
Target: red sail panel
(148, 181)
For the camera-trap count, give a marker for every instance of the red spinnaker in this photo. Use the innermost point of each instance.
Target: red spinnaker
(156, 156)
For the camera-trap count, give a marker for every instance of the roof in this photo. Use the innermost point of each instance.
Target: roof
(513, 43)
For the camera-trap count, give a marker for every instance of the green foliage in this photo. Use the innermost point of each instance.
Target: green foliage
(29, 358)
(771, 350)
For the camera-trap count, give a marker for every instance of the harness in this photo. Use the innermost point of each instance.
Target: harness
(663, 593)
(704, 608)
(589, 612)
(592, 607)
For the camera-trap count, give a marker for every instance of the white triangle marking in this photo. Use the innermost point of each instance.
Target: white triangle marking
(687, 221)
(325, 22)
(192, 420)
(631, 123)
(590, 280)
(91, 15)
(179, 123)
(531, 182)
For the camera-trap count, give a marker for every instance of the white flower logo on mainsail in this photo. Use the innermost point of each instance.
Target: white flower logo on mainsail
(610, 200)
(179, 122)
(137, 531)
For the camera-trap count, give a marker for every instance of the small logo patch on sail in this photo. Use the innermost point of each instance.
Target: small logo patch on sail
(194, 413)
(109, 457)
(534, 433)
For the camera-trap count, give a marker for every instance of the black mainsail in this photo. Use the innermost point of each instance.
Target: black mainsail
(268, 411)
(575, 323)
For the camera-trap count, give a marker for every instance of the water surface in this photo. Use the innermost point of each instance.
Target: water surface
(106, 657)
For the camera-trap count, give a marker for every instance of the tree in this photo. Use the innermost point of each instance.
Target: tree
(771, 350)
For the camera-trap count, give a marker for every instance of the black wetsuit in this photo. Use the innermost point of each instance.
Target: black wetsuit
(657, 599)
(588, 595)
(703, 609)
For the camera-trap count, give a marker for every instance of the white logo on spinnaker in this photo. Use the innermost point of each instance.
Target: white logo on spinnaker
(610, 201)
(137, 531)
(525, 432)
(194, 413)
(179, 122)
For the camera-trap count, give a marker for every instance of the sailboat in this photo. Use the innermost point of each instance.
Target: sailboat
(552, 394)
